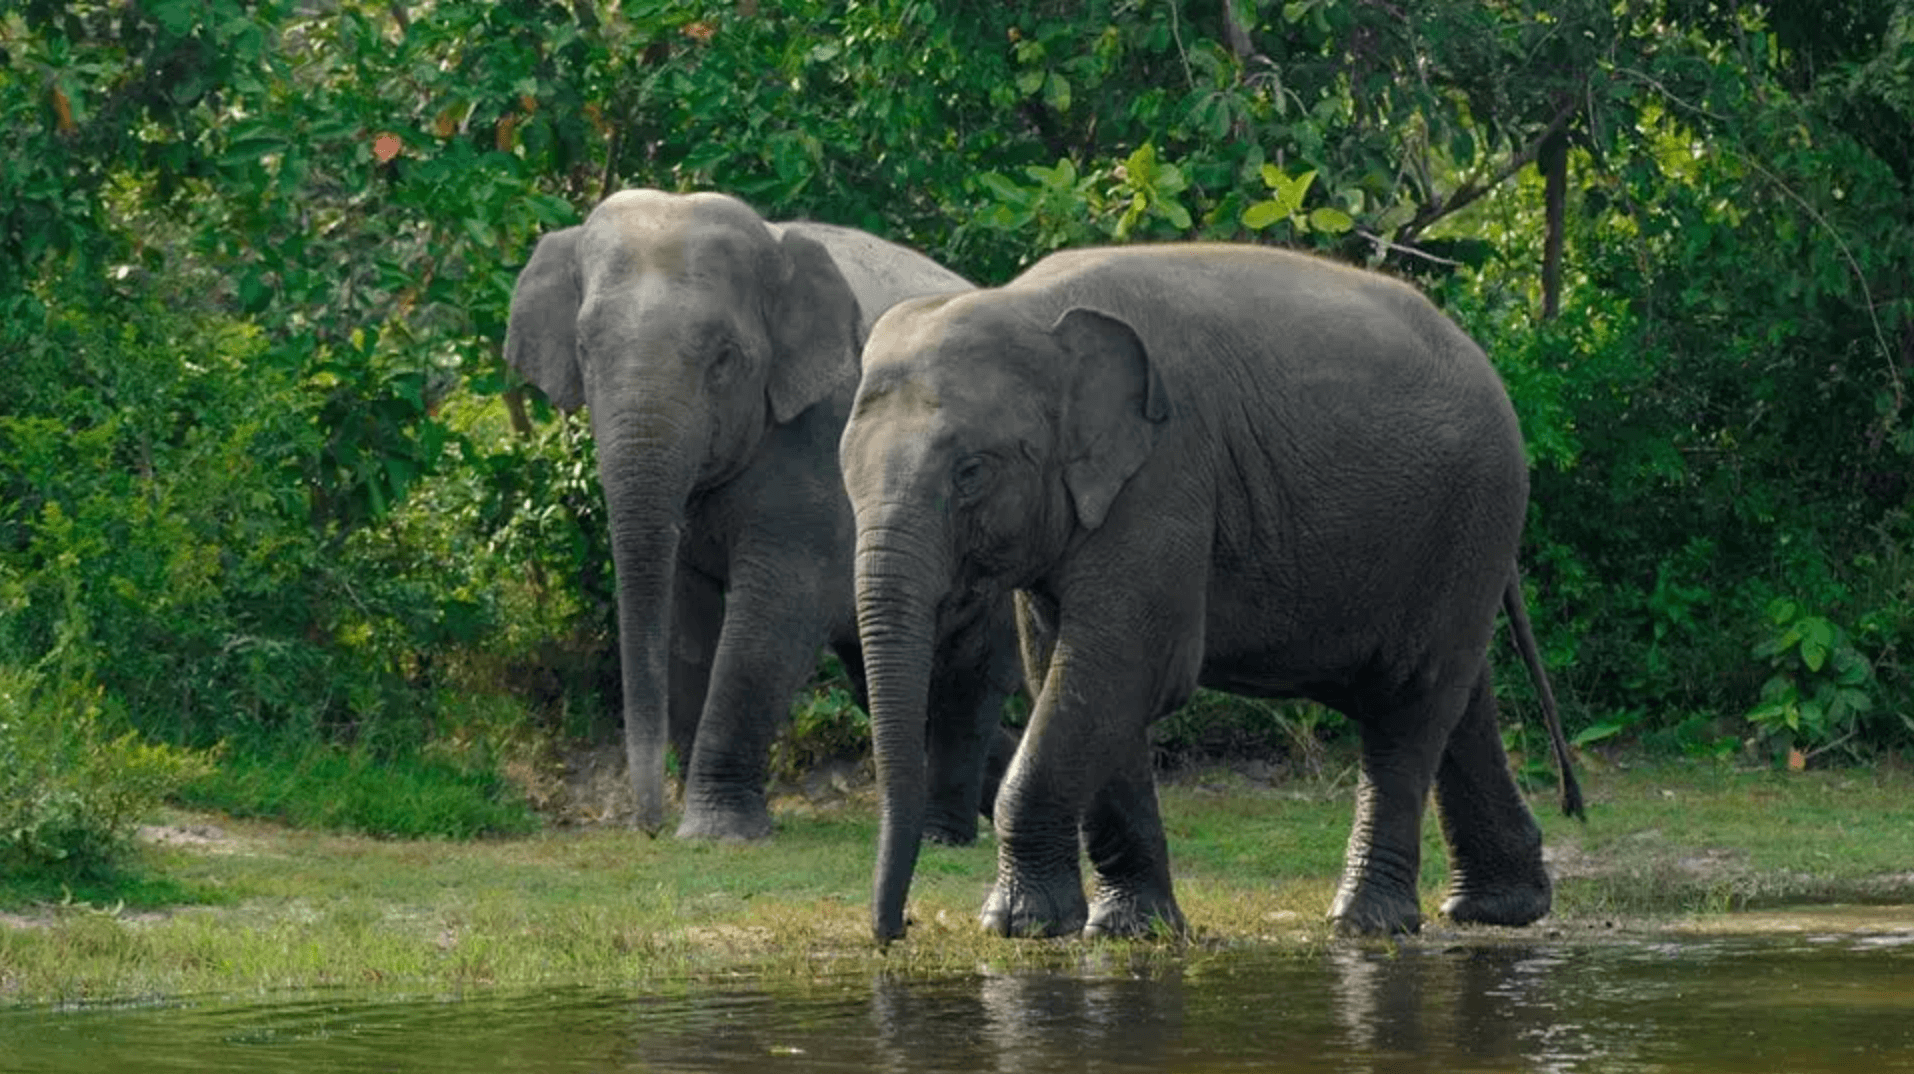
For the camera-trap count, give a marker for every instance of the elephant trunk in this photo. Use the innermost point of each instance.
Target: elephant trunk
(647, 477)
(899, 573)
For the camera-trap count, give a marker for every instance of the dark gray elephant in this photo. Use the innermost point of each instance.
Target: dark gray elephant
(718, 354)
(1220, 465)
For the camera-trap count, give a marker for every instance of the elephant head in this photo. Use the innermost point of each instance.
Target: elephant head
(985, 438)
(689, 326)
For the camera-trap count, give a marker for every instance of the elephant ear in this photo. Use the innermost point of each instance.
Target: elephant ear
(541, 336)
(1114, 409)
(815, 329)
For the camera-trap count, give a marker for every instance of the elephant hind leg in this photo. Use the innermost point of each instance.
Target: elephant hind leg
(1495, 846)
(968, 749)
(1402, 743)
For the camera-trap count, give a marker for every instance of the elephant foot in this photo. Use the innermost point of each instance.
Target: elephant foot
(942, 828)
(1364, 910)
(1513, 905)
(944, 835)
(731, 822)
(1021, 912)
(1133, 914)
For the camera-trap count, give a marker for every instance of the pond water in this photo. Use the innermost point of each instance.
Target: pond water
(1802, 1001)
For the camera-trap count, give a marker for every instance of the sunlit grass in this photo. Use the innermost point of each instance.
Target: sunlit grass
(269, 908)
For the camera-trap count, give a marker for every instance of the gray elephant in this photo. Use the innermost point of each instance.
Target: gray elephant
(718, 354)
(1207, 464)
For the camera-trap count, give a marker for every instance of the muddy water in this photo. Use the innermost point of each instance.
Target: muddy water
(1802, 997)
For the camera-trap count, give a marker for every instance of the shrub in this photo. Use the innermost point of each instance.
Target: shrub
(72, 791)
(354, 790)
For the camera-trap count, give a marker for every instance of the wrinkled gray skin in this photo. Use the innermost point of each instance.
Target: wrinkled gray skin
(1220, 465)
(718, 354)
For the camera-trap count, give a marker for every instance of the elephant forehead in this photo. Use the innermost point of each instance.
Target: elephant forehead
(904, 465)
(677, 242)
(953, 344)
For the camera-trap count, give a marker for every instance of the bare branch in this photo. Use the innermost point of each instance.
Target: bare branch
(1412, 251)
(1474, 189)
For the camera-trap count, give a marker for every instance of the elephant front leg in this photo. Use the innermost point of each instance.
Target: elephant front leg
(697, 618)
(1083, 767)
(765, 653)
(1495, 846)
(1039, 888)
(1123, 835)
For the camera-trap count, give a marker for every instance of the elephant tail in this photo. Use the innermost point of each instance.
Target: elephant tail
(1525, 643)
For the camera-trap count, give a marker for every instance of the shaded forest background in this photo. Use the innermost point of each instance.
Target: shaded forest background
(266, 487)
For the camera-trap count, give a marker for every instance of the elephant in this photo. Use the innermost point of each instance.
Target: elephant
(1198, 464)
(717, 353)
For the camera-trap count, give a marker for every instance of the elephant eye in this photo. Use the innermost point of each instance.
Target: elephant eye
(970, 474)
(724, 366)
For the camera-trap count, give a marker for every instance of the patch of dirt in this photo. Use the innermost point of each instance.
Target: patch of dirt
(587, 787)
(209, 837)
(1647, 853)
(591, 788)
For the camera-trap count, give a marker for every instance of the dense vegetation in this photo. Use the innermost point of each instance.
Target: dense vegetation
(265, 485)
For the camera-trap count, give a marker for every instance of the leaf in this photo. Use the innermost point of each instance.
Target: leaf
(1262, 214)
(1598, 731)
(1290, 191)
(1781, 610)
(1003, 189)
(1332, 220)
(1817, 638)
(1056, 92)
(1396, 215)
(174, 16)
(1176, 212)
(1779, 687)
(1851, 668)
(1029, 82)
(1462, 148)
(1141, 165)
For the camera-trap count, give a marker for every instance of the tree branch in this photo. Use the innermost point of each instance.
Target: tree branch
(1471, 191)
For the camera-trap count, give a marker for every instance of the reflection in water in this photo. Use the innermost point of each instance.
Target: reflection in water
(1494, 1007)
(1807, 1003)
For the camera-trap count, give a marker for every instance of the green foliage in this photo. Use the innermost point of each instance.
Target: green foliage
(356, 790)
(826, 722)
(1821, 683)
(1216, 725)
(1286, 206)
(256, 259)
(72, 790)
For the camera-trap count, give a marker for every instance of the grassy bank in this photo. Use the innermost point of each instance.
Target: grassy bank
(270, 908)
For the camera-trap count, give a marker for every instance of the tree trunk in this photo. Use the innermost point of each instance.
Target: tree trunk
(1553, 162)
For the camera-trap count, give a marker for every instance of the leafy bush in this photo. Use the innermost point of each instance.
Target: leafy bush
(1217, 725)
(256, 262)
(72, 791)
(356, 790)
(1821, 684)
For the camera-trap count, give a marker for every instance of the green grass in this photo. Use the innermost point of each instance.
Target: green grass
(338, 790)
(266, 907)
(141, 887)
